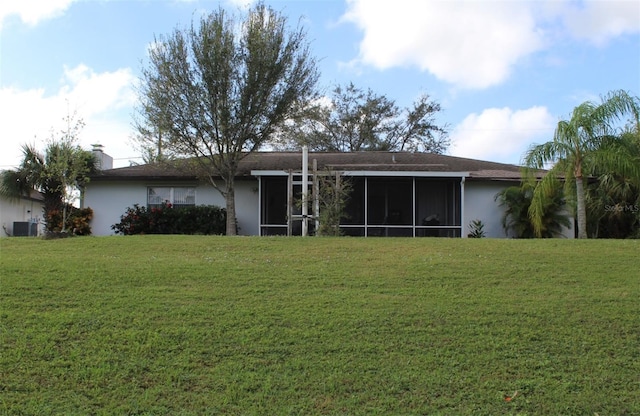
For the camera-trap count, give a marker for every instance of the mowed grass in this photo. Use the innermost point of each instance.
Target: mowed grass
(195, 325)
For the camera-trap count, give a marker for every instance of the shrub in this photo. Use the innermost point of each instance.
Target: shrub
(166, 219)
(78, 222)
(476, 228)
(516, 201)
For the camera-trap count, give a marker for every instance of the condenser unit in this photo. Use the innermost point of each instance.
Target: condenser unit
(25, 229)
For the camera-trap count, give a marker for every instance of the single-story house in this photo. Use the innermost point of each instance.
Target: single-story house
(392, 193)
(22, 216)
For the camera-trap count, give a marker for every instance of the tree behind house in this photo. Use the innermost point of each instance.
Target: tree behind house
(356, 120)
(218, 91)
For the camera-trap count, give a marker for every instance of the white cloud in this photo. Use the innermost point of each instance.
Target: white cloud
(96, 93)
(477, 44)
(501, 134)
(102, 100)
(599, 21)
(33, 12)
(472, 44)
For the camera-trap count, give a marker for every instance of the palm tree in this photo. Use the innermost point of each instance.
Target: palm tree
(613, 202)
(63, 167)
(517, 199)
(582, 145)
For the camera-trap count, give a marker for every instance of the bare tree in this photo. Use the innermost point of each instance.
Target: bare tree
(216, 92)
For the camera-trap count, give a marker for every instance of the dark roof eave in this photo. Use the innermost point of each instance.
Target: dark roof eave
(375, 161)
(125, 178)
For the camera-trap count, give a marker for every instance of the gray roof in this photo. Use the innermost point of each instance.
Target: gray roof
(352, 161)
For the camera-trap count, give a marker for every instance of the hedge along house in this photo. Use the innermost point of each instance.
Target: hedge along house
(392, 193)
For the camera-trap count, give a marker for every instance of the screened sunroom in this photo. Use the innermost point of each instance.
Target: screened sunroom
(379, 204)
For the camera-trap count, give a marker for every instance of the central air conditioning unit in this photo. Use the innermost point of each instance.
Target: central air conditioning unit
(25, 229)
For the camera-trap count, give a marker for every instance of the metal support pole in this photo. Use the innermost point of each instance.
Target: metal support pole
(305, 190)
(316, 195)
(290, 203)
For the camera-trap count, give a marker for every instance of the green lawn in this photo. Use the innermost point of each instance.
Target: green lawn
(193, 325)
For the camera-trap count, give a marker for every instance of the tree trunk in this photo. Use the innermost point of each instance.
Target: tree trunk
(581, 209)
(64, 217)
(52, 211)
(230, 198)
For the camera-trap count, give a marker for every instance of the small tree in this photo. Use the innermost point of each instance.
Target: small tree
(356, 120)
(219, 90)
(68, 165)
(333, 194)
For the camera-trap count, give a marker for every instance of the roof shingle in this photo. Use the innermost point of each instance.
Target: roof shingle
(353, 161)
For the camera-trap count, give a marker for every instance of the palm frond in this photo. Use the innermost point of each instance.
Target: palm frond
(14, 184)
(544, 190)
(539, 156)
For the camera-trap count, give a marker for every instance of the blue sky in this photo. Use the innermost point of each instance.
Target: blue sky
(504, 71)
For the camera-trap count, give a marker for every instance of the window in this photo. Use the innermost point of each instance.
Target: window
(176, 196)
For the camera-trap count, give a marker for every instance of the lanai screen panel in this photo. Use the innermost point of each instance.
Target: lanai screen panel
(353, 222)
(377, 206)
(438, 207)
(390, 207)
(273, 203)
(404, 206)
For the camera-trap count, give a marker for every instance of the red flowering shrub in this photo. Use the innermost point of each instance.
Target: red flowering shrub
(78, 222)
(166, 219)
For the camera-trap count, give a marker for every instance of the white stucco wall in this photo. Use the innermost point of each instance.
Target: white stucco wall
(480, 204)
(22, 210)
(109, 200)
(246, 203)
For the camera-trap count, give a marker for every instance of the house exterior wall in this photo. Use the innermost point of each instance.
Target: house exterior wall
(247, 207)
(246, 203)
(480, 204)
(22, 210)
(109, 200)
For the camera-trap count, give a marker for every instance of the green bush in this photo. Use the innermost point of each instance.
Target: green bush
(79, 221)
(166, 219)
(476, 228)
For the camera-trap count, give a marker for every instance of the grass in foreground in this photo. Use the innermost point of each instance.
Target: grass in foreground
(179, 325)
